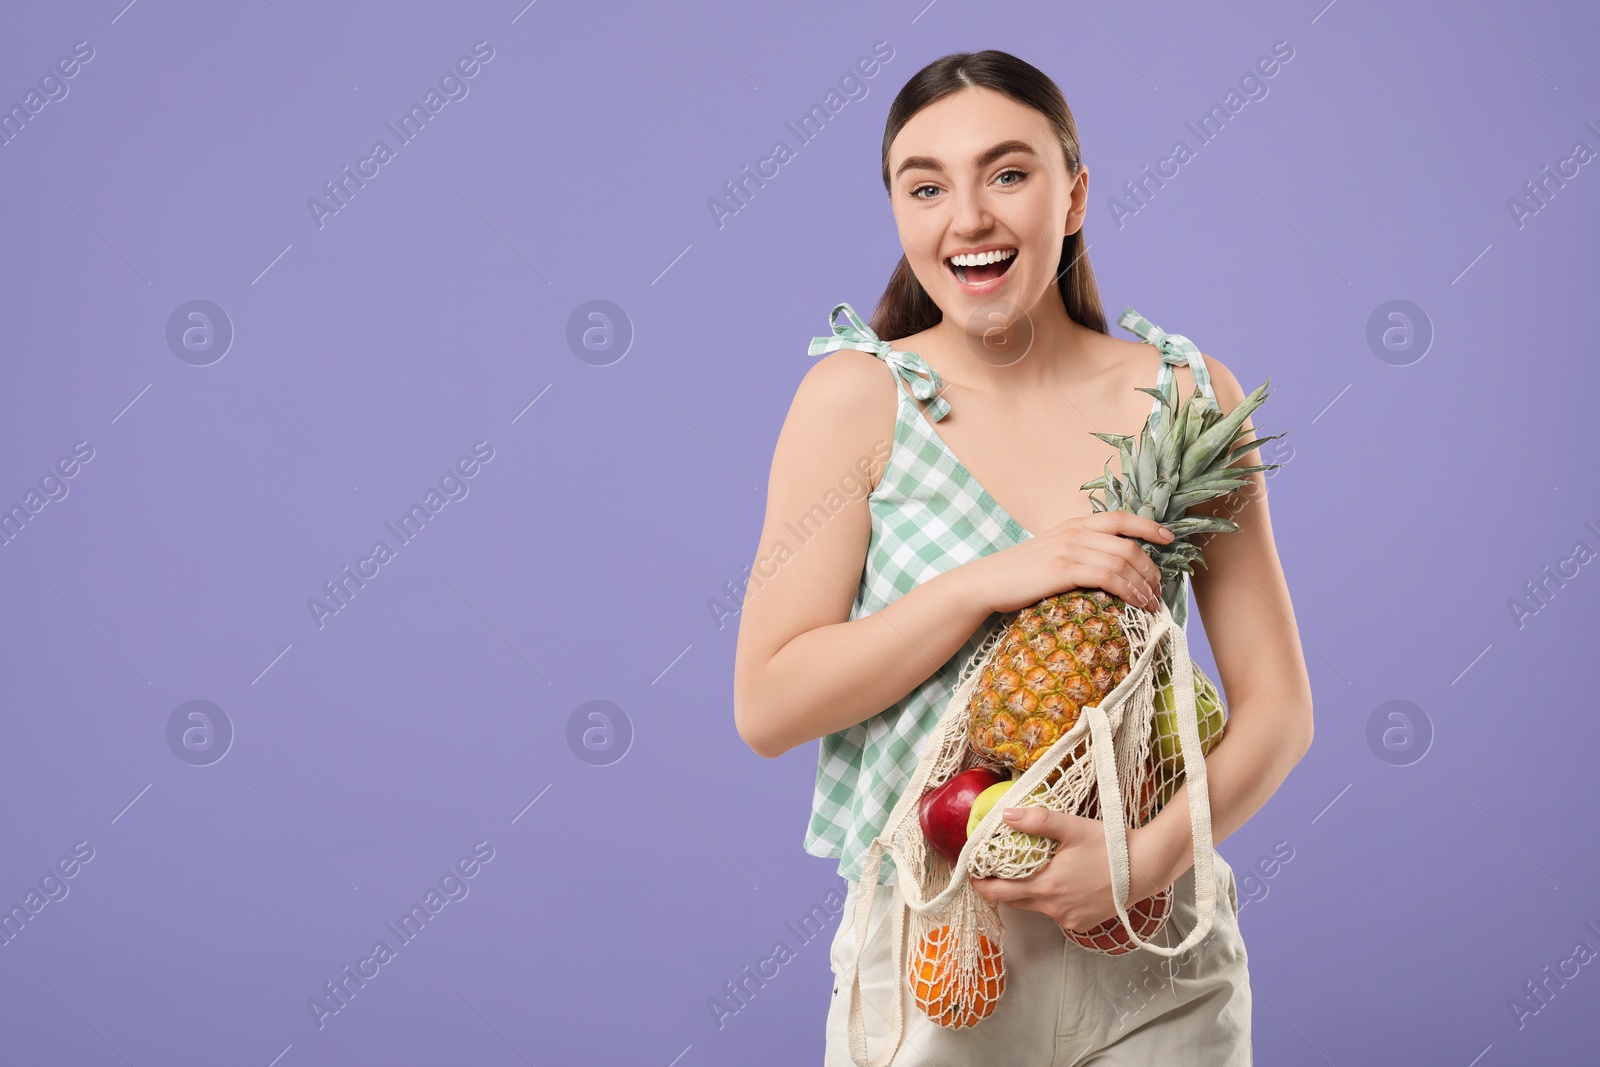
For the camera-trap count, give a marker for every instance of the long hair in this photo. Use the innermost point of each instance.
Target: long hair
(905, 307)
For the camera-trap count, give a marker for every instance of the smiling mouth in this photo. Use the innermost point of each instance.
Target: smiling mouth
(982, 274)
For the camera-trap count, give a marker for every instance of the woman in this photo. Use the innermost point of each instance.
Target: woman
(863, 604)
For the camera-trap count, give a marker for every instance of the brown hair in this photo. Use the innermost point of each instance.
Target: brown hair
(905, 308)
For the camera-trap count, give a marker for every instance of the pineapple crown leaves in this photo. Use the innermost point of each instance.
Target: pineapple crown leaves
(1176, 462)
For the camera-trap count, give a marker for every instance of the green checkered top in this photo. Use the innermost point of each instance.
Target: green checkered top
(929, 515)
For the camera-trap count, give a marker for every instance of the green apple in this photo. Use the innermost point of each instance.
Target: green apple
(989, 798)
(1209, 713)
(984, 801)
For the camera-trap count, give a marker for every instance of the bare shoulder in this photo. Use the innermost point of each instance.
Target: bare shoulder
(857, 380)
(844, 409)
(1223, 382)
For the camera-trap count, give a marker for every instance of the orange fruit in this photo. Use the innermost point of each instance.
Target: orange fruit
(940, 990)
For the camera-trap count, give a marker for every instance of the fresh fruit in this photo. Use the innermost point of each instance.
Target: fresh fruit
(1164, 748)
(1111, 937)
(989, 798)
(1147, 915)
(1164, 728)
(937, 985)
(1068, 651)
(944, 809)
(986, 800)
(1057, 657)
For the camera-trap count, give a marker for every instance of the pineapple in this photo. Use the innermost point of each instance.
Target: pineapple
(1058, 657)
(1068, 651)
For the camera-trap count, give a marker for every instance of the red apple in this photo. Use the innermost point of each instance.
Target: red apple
(944, 809)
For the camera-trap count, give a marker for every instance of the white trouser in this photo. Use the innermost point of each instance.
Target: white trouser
(1064, 1005)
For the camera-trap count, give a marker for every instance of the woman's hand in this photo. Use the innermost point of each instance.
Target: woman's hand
(1089, 552)
(1074, 888)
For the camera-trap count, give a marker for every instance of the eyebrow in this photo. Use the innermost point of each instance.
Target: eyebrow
(984, 158)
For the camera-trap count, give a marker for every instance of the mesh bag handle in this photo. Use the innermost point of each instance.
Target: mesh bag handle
(1194, 765)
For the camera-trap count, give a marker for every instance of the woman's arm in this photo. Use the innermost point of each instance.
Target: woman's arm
(801, 670)
(1244, 602)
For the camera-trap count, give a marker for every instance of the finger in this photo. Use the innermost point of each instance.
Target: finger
(1092, 566)
(1045, 823)
(1135, 557)
(1095, 569)
(1127, 524)
(1026, 903)
(1130, 543)
(1002, 890)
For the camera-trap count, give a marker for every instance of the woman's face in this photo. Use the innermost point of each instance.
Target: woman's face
(977, 172)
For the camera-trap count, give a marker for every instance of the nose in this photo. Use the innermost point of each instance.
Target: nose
(970, 215)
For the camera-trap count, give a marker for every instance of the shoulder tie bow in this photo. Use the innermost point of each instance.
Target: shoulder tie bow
(1176, 351)
(916, 372)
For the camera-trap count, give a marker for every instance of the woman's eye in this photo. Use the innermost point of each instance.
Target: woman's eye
(1021, 174)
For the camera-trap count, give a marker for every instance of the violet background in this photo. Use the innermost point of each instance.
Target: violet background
(428, 314)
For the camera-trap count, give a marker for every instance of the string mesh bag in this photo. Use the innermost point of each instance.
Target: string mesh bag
(954, 968)
(1097, 709)
(1145, 796)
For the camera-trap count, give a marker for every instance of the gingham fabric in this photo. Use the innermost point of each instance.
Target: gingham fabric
(1176, 350)
(929, 515)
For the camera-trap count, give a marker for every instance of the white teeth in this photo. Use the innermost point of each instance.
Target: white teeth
(979, 259)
